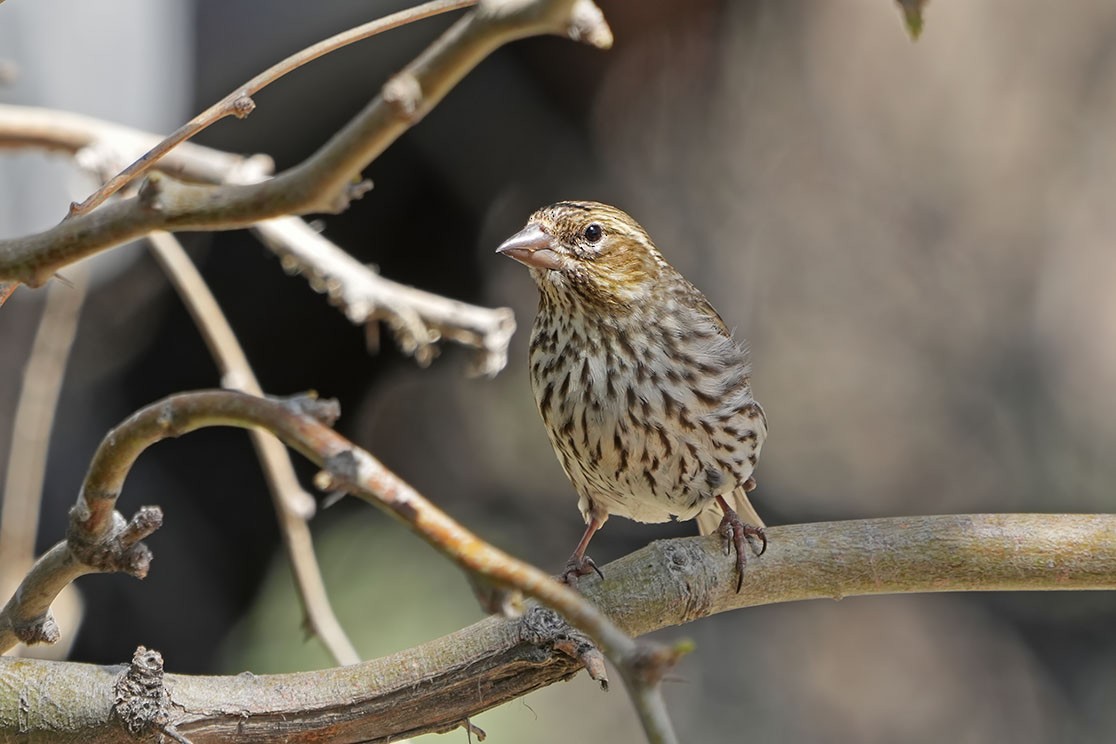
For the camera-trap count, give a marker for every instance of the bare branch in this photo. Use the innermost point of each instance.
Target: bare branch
(419, 319)
(436, 686)
(114, 547)
(293, 506)
(239, 102)
(31, 427)
(94, 539)
(33, 421)
(63, 131)
(321, 183)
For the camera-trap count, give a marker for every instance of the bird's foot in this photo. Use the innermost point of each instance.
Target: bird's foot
(735, 532)
(578, 566)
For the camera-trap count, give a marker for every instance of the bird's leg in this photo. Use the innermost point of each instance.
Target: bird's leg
(580, 564)
(735, 532)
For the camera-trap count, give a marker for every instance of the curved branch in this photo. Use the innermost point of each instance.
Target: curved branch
(99, 540)
(671, 582)
(324, 182)
(293, 506)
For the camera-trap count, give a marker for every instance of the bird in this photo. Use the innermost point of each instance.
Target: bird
(643, 390)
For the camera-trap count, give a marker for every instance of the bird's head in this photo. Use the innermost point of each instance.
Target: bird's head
(587, 252)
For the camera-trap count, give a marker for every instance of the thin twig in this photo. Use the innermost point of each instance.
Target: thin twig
(293, 506)
(31, 427)
(23, 127)
(324, 182)
(239, 102)
(34, 420)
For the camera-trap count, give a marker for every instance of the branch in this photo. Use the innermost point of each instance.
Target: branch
(324, 182)
(33, 421)
(99, 540)
(62, 131)
(34, 418)
(419, 319)
(671, 582)
(293, 506)
(239, 102)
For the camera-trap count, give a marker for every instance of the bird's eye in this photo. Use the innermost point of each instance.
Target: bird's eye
(593, 233)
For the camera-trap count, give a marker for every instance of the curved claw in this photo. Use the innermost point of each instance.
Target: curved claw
(578, 566)
(735, 532)
(750, 532)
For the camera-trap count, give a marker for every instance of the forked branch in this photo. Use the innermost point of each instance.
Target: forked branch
(671, 582)
(239, 102)
(99, 539)
(328, 179)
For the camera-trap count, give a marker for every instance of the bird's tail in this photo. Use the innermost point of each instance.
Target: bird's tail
(709, 520)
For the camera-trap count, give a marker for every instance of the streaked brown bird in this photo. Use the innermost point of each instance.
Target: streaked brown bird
(643, 390)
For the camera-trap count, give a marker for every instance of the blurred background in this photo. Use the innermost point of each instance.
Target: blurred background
(916, 239)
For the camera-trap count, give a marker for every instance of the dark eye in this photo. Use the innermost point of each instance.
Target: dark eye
(593, 233)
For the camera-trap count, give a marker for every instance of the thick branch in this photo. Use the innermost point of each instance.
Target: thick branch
(675, 581)
(324, 182)
(433, 687)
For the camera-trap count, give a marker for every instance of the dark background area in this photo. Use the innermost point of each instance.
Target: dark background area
(916, 239)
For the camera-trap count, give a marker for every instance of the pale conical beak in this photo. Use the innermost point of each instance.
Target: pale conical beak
(532, 247)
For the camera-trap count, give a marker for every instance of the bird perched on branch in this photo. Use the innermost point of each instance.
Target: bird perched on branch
(643, 390)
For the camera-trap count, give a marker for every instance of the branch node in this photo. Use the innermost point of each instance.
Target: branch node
(150, 193)
(403, 92)
(325, 411)
(141, 700)
(349, 193)
(588, 24)
(242, 106)
(546, 629)
(588, 655)
(339, 472)
(119, 549)
(358, 189)
(42, 629)
(493, 357)
(143, 523)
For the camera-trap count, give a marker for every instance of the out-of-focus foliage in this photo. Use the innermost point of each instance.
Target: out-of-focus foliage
(912, 16)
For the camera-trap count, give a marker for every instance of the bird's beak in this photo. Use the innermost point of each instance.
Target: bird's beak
(532, 247)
